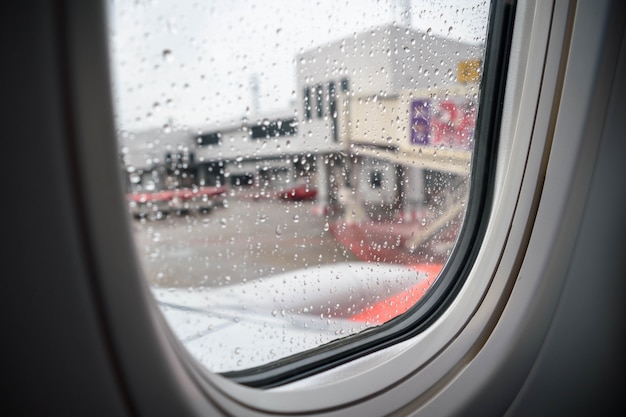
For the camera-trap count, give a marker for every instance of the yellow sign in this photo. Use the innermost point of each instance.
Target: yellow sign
(469, 71)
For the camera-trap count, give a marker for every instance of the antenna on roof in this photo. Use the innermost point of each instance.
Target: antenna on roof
(254, 88)
(402, 9)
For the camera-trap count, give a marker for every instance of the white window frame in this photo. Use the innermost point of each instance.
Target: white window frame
(496, 317)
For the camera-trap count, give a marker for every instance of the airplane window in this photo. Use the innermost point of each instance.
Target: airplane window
(296, 172)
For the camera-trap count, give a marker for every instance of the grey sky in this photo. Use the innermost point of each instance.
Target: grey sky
(188, 64)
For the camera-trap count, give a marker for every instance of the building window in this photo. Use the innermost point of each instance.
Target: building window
(274, 128)
(207, 139)
(307, 103)
(345, 85)
(319, 101)
(332, 108)
(376, 179)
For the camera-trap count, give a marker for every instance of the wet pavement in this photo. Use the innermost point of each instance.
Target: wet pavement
(246, 240)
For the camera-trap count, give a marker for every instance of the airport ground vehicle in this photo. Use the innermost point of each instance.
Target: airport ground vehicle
(298, 192)
(82, 338)
(158, 203)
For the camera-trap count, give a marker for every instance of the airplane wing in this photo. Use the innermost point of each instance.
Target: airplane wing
(251, 323)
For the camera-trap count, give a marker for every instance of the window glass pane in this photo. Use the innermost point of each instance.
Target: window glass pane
(296, 171)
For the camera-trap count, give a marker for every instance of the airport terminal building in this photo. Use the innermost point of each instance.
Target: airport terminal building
(379, 119)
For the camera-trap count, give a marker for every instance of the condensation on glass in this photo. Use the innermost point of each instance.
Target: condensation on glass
(295, 171)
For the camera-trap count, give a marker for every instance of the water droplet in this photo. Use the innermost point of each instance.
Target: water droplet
(167, 55)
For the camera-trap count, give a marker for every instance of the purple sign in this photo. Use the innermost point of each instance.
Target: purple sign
(448, 122)
(420, 122)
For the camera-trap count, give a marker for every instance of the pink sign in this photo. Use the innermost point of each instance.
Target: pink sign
(450, 122)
